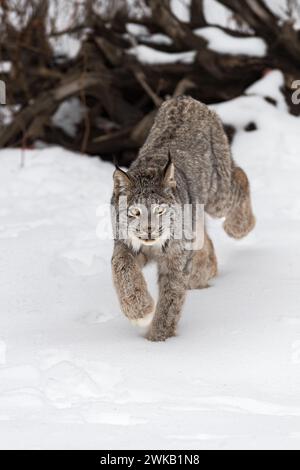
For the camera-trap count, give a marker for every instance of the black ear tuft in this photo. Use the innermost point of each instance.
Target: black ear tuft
(169, 173)
(115, 161)
(169, 162)
(122, 180)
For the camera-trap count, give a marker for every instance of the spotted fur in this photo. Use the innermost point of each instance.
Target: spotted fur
(201, 171)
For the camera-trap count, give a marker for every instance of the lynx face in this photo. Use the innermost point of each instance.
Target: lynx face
(149, 224)
(148, 205)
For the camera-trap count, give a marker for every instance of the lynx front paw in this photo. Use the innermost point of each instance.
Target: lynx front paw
(139, 308)
(143, 322)
(159, 336)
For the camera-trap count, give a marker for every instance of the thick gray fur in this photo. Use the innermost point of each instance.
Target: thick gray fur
(202, 172)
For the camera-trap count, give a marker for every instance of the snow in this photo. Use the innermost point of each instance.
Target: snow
(280, 8)
(181, 9)
(143, 33)
(62, 16)
(221, 42)
(65, 45)
(252, 108)
(68, 115)
(136, 29)
(218, 14)
(147, 55)
(7, 112)
(136, 8)
(17, 17)
(74, 373)
(5, 66)
(158, 38)
(270, 86)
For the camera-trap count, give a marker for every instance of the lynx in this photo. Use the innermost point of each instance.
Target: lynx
(186, 159)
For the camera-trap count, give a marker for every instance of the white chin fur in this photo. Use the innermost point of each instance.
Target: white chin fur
(143, 322)
(137, 244)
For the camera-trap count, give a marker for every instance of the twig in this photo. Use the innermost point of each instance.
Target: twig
(142, 80)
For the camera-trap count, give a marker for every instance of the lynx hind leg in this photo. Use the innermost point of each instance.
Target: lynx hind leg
(204, 266)
(240, 219)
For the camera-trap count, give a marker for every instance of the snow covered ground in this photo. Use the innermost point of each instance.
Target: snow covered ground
(221, 42)
(75, 374)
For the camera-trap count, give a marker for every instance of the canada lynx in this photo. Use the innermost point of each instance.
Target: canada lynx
(186, 159)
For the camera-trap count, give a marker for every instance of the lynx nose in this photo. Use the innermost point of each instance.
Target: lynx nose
(148, 235)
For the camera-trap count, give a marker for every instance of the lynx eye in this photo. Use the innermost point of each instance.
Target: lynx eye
(159, 210)
(134, 212)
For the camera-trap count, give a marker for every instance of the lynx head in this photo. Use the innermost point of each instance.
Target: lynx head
(149, 199)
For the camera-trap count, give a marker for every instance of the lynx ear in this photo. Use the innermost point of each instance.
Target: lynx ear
(121, 181)
(169, 174)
